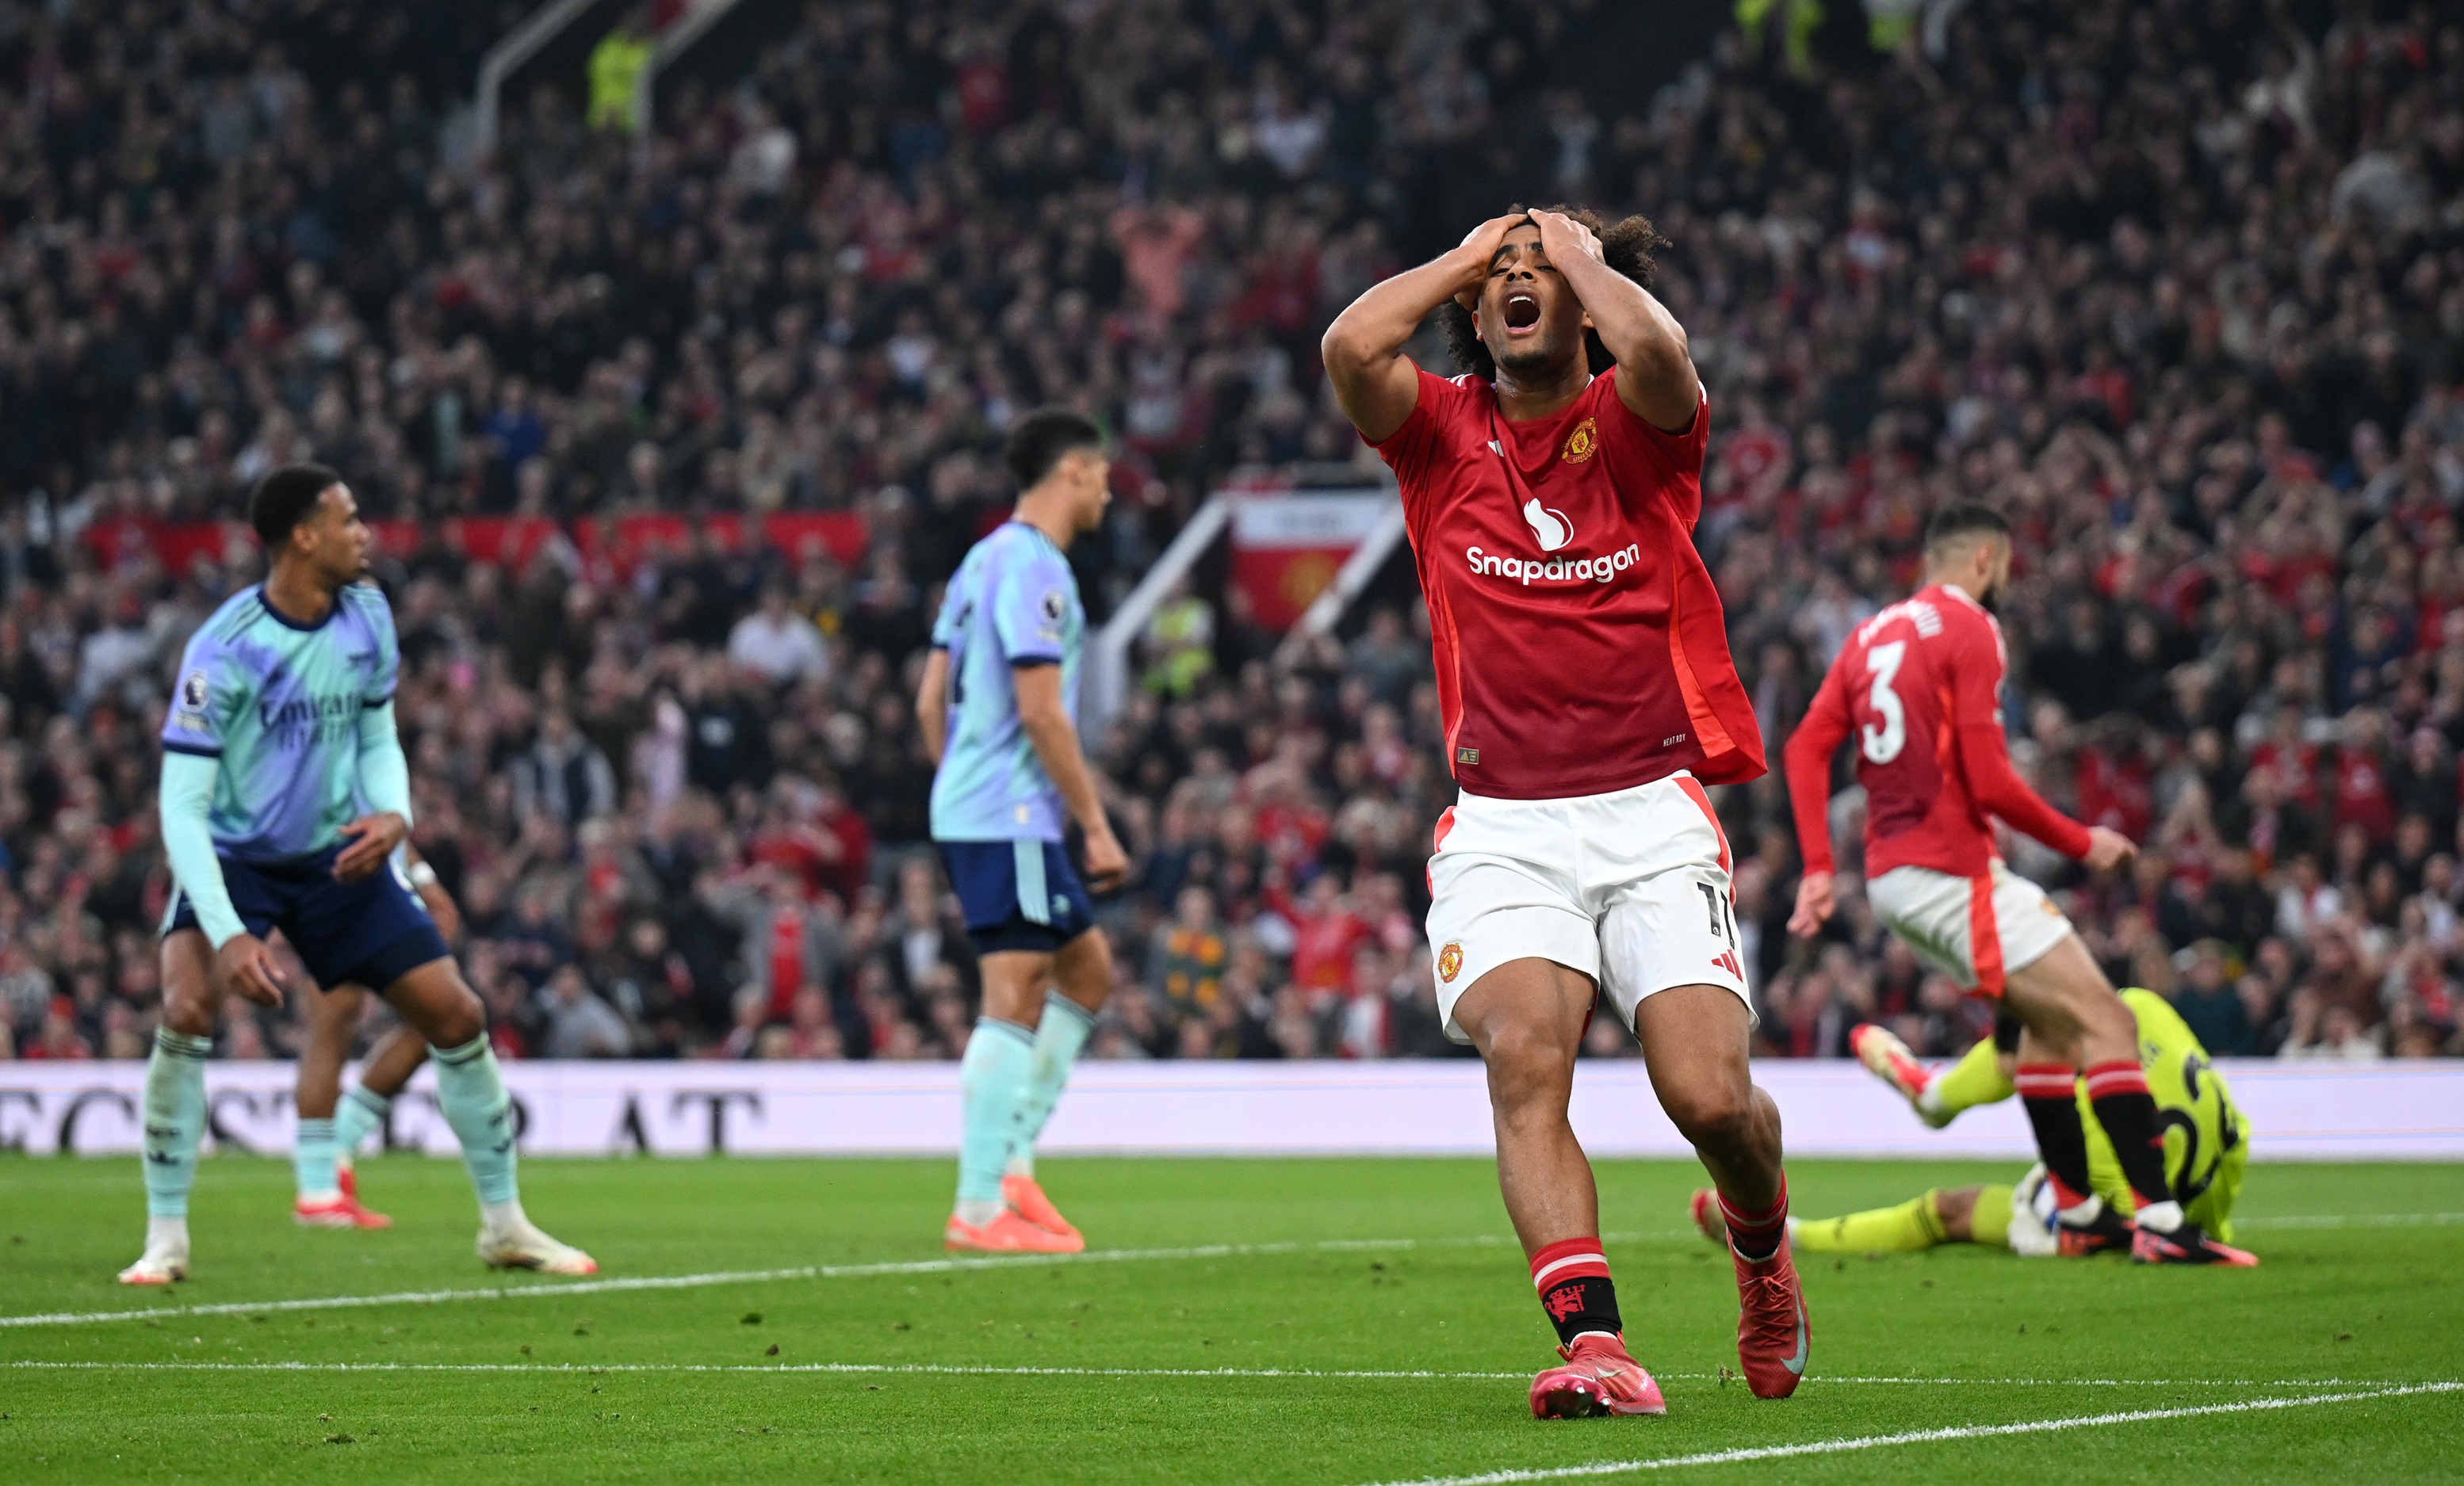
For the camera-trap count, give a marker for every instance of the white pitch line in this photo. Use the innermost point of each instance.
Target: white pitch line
(1831, 1446)
(2356, 1220)
(961, 1265)
(326, 1302)
(593, 1369)
(986, 1370)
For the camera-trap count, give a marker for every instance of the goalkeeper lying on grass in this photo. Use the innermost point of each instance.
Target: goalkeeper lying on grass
(2206, 1145)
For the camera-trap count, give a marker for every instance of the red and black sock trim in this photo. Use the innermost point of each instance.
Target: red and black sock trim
(2118, 1092)
(1756, 1235)
(1573, 1277)
(2050, 1092)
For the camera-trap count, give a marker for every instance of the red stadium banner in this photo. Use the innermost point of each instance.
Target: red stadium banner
(628, 541)
(397, 539)
(507, 541)
(117, 541)
(837, 535)
(1286, 548)
(619, 545)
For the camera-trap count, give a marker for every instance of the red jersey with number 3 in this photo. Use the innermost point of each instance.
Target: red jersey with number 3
(1916, 691)
(1581, 646)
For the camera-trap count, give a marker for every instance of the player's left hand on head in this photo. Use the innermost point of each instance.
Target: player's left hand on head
(1107, 866)
(1561, 236)
(370, 838)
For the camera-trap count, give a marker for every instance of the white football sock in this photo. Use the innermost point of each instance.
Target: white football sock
(2087, 1210)
(2161, 1217)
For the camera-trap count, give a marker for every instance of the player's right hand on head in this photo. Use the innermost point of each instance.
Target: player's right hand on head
(1106, 864)
(246, 966)
(1480, 248)
(1813, 905)
(2107, 849)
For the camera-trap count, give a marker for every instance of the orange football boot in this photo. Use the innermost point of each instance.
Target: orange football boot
(1598, 1377)
(343, 1211)
(1028, 1201)
(1007, 1234)
(1771, 1331)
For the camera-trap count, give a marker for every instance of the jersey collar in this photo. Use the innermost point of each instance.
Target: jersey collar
(288, 622)
(1038, 533)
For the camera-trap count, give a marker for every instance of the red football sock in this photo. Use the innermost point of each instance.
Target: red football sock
(1756, 1236)
(1573, 1277)
(2049, 1094)
(2118, 1092)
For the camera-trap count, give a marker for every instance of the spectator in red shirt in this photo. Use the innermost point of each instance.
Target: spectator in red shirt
(59, 1039)
(2364, 796)
(2117, 784)
(1325, 933)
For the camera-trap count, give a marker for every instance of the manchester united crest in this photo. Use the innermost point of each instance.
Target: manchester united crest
(1583, 442)
(1450, 963)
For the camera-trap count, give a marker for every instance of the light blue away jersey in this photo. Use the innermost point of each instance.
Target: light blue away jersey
(279, 704)
(1011, 602)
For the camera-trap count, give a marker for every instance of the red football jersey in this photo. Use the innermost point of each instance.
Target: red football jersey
(1579, 642)
(1917, 688)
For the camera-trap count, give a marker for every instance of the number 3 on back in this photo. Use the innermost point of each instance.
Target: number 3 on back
(1883, 744)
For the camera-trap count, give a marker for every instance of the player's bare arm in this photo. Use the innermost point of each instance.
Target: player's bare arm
(2107, 849)
(1045, 720)
(372, 838)
(244, 966)
(933, 704)
(433, 896)
(1819, 735)
(1375, 383)
(1656, 379)
(1814, 905)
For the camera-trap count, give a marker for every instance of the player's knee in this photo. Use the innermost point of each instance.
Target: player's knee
(1526, 1066)
(458, 1018)
(2105, 1026)
(1084, 969)
(188, 1001)
(1716, 1115)
(189, 1011)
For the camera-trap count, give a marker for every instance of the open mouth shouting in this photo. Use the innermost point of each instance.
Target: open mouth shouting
(1522, 312)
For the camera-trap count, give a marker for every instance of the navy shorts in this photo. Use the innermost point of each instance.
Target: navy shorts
(1017, 895)
(370, 933)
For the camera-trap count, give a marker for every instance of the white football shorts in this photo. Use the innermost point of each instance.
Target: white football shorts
(1976, 930)
(1630, 888)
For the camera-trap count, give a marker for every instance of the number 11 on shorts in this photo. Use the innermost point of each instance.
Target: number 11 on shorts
(1724, 926)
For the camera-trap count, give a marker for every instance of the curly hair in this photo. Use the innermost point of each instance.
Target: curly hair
(1628, 247)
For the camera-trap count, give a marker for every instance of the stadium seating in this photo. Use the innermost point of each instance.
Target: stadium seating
(673, 439)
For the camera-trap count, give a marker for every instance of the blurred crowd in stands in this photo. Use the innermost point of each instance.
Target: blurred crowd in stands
(2179, 285)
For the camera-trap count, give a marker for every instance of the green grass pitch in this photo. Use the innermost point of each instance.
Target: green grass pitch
(1372, 1323)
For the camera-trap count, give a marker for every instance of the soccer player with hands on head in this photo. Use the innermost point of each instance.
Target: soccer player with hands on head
(1588, 696)
(284, 793)
(1918, 689)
